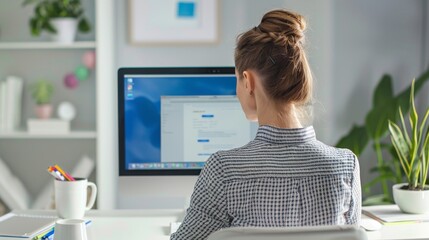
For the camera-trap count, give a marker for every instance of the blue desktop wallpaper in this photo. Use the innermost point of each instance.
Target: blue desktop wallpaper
(143, 107)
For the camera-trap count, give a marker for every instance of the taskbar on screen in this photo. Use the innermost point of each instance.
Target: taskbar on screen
(170, 165)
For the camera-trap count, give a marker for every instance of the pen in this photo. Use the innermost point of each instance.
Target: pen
(61, 177)
(64, 173)
(48, 235)
(40, 236)
(53, 174)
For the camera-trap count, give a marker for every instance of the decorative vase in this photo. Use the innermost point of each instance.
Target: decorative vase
(44, 111)
(410, 201)
(66, 30)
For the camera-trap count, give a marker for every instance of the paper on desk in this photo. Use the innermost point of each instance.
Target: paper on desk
(389, 214)
(24, 226)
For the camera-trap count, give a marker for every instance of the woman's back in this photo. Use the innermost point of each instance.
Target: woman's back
(285, 177)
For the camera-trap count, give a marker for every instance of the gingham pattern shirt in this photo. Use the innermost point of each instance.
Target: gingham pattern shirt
(284, 177)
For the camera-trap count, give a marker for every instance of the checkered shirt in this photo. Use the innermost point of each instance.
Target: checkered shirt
(284, 177)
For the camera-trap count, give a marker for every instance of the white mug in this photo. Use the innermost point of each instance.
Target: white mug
(71, 197)
(70, 229)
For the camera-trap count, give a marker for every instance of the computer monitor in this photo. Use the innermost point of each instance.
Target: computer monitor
(172, 119)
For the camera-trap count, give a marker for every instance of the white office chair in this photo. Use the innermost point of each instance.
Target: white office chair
(292, 233)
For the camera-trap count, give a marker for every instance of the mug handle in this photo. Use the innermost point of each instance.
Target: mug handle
(93, 195)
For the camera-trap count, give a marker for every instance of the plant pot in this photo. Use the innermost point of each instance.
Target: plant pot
(66, 30)
(409, 201)
(43, 111)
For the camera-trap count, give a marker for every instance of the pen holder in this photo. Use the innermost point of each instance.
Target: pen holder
(71, 197)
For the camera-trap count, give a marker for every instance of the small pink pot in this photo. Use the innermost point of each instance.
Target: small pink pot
(43, 111)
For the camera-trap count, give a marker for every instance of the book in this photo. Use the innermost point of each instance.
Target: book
(10, 103)
(391, 215)
(12, 191)
(24, 226)
(3, 104)
(17, 89)
(48, 126)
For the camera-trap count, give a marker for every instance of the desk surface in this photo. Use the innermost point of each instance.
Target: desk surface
(155, 225)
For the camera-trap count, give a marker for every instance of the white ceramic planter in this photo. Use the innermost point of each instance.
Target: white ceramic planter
(66, 30)
(416, 202)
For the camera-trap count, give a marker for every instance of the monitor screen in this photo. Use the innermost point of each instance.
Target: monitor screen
(172, 119)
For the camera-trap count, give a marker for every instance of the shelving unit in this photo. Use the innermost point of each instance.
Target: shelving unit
(33, 59)
(94, 131)
(46, 45)
(72, 135)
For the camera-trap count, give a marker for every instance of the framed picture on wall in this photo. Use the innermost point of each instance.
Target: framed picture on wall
(173, 21)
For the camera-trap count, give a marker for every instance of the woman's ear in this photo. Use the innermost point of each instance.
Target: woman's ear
(249, 81)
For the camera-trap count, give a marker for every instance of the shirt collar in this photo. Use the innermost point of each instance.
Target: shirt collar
(285, 135)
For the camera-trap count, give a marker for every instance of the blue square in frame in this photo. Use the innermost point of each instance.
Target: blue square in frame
(185, 9)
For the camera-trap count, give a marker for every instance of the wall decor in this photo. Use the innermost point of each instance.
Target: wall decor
(173, 21)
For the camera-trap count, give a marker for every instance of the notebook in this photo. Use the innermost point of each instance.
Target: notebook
(24, 226)
(391, 214)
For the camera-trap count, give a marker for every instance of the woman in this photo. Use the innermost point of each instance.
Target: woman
(284, 177)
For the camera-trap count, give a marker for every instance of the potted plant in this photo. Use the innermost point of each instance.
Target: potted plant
(42, 92)
(374, 133)
(62, 18)
(413, 152)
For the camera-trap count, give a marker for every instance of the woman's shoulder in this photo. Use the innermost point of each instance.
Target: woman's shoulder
(221, 157)
(334, 150)
(336, 154)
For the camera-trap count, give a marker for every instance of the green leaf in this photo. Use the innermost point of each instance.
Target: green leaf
(398, 140)
(48, 26)
(423, 123)
(33, 26)
(404, 128)
(385, 169)
(84, 26)
(404, 97)
(414, 118)
(401, 147)
(425, 153)
(383, 93)
(378, 118)
(356, 140)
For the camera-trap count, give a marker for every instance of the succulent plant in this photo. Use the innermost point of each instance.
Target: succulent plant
(42, 91)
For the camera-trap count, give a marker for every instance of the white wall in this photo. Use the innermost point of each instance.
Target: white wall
(351, 44)
(371, 38)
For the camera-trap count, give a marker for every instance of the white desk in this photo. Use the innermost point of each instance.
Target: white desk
(155, 225)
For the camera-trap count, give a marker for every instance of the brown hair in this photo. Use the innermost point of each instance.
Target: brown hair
(274, 49)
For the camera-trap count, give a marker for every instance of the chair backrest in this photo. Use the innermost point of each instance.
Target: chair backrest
(290, 233)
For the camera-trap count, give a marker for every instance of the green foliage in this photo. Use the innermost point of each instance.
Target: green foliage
(413, 149)
(42, 92)
(385, 107)
(46, 10)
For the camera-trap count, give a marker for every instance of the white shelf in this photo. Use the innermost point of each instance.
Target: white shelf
(71, 135)
(46, 45)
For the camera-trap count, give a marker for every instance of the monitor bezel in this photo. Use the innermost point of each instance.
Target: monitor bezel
(121, 116)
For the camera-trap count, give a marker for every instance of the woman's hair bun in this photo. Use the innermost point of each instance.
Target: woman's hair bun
(274, 49)
(285, 28)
